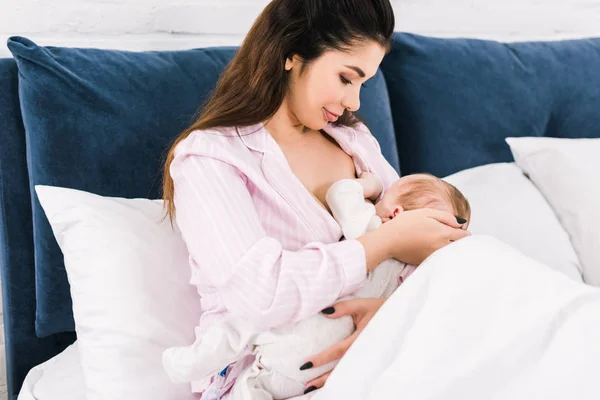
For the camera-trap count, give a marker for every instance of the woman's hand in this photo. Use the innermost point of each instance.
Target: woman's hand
(361, 310)
(414, 235)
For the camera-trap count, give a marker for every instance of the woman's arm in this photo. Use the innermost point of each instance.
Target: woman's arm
(376, 248)
(253, 274)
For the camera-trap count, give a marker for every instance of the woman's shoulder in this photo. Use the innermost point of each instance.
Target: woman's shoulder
(221, 145)
(228, 144)
(208, 142)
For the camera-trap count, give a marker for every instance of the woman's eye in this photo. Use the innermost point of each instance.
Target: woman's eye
(344, 80)
(348, 82)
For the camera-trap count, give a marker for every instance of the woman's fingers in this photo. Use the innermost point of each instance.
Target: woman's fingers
(457, 234)
(445, 217)
(333, 353)
(318, 382)
(347, 307)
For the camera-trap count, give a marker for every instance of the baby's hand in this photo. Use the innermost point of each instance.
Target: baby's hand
(371, 184)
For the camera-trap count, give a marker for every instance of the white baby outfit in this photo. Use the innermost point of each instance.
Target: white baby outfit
(265, 365)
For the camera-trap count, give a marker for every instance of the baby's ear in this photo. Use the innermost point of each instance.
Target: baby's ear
(397, 210)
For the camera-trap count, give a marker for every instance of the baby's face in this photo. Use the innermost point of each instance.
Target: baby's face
(389, 207)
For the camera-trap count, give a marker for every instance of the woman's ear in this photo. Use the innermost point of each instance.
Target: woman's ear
(292, 61)
(289, 63)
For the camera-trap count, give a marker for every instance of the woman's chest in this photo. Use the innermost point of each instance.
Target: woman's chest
(288, 193)
(288, 183)
(318, 164)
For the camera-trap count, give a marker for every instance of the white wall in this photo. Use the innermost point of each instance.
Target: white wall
(178, 24)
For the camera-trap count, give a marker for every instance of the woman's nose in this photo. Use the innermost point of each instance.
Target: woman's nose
(352, 102)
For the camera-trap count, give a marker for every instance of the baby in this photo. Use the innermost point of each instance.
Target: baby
(350, 200)
(267, 365)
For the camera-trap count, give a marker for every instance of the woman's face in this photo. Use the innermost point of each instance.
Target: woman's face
(330, 84)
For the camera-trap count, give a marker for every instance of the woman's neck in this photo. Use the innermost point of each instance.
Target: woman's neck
(284, 127)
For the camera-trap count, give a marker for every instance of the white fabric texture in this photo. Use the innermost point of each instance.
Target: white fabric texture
(355, 214)
(507, 205)
(280, 352)
(567, 172)
(477, 320)
(60, 377)
(129, 276)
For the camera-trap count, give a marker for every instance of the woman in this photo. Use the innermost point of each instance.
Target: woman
(246, 182)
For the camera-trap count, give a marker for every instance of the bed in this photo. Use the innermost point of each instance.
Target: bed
(85, 132)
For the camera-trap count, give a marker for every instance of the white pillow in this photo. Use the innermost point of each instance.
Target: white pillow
(129, 276)
(59, 377)
(506, 205)
(567, 172)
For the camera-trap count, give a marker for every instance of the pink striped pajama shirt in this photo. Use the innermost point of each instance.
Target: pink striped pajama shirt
(260, 244)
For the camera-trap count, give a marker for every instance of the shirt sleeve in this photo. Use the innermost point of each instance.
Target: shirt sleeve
(253, 274)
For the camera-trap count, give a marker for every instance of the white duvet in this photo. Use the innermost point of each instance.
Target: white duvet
(477, 320)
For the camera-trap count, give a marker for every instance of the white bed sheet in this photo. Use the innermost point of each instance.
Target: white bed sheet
(60, 377)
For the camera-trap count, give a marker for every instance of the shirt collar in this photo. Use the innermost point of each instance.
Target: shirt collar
(257, 138)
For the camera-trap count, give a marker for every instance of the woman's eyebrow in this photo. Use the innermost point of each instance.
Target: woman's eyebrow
(359, 71)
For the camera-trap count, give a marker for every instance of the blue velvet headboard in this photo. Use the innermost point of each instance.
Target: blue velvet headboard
(102, 120)
(23, 348)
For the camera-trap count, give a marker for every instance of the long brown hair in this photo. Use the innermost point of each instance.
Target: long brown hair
(254, 84)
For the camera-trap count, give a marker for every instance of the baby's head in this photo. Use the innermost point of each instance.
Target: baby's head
(420, 191)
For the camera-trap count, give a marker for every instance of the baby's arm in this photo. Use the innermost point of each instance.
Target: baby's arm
(346, 200)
